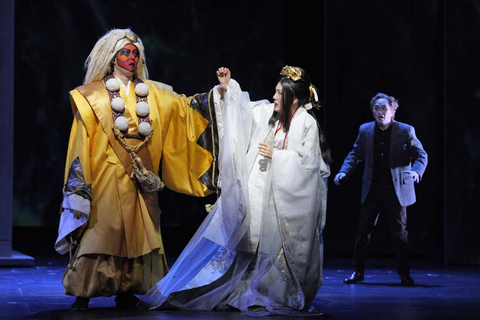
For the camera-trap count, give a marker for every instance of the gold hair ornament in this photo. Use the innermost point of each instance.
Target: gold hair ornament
(130, 36)
(293, 73)
(313, 98)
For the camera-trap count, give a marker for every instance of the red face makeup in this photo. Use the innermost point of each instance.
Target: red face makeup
(127, 57)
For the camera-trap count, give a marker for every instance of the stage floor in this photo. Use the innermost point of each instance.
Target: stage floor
(440, 292)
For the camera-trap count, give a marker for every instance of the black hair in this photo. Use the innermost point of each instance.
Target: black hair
(302, 89)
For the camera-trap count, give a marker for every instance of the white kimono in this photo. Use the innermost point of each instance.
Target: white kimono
(260, 249)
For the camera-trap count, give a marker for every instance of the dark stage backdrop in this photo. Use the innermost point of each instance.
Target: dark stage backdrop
(394, 47)
(461, 101)
(186, 41)
(425, 53)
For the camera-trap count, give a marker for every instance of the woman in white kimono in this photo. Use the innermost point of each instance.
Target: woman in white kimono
(260, 248)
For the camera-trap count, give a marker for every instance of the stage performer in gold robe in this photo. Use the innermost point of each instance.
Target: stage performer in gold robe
(125, 128)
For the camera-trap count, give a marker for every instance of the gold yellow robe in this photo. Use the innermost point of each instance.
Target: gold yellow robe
(121, 248)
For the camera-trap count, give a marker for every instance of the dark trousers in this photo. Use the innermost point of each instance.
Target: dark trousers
(382, 198)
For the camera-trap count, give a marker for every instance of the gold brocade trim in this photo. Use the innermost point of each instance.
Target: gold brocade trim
(212, 128)
(209, 207)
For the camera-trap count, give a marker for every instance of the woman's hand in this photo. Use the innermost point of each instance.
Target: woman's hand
(265, 150)
(223, 75)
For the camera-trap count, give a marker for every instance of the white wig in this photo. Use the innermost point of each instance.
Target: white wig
(99, 61)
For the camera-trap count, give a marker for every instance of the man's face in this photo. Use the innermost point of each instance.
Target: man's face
(383, 112)
(127, 58)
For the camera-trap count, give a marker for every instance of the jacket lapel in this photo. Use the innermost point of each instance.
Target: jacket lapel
(393, 140)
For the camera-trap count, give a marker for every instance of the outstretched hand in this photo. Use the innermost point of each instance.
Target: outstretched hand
(339, 178)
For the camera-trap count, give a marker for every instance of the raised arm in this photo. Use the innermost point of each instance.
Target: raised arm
(224, 76)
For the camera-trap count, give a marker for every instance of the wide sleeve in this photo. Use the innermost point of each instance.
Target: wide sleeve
(190, 141)
(298, 171)
(240, 108)
(308, 149)
(75, 208)
(299, 195)
(237, 107)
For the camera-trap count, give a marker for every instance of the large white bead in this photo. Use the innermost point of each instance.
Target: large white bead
(122, 123)
(142, 109)
(112, 84)
(141, 89)
(118, 104)
(144, 128)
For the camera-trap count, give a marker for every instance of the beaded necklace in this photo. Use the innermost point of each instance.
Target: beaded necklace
(118, 108)
(148, 182)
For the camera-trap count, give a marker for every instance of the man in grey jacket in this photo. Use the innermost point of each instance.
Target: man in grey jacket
(394, 159)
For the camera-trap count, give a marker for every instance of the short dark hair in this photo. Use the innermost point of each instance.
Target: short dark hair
(391, 101)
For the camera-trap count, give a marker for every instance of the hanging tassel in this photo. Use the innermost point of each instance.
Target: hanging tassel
(72, 243)
(149, 182)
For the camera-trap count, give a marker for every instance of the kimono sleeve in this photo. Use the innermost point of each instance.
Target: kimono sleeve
(190, 143)
(75, 208)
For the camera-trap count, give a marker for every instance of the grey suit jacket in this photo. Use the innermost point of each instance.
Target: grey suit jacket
(406, 153)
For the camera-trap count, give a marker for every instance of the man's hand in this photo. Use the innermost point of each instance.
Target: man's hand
(339, 178)
(413, 174)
